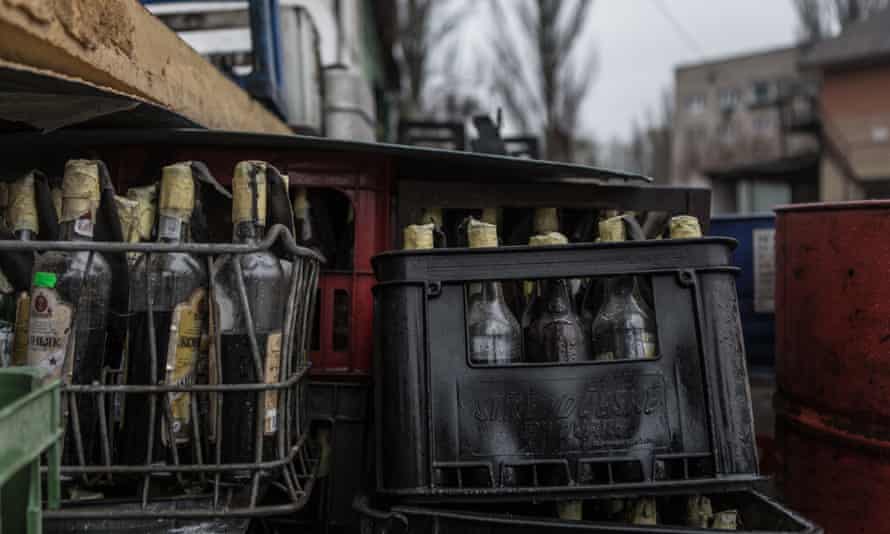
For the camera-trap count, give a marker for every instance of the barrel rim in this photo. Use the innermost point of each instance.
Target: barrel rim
(833, 206)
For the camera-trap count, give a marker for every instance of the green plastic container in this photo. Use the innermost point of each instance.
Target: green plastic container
(29, 425)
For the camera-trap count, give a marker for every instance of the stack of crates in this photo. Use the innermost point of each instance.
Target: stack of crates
(502, 448)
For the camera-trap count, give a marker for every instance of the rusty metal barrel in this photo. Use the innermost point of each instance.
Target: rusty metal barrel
(833, 363)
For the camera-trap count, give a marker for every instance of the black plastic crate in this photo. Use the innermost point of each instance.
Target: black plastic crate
(449, 430)
(342, 408)
(756, 513)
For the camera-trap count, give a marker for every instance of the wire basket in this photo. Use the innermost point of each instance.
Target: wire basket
(281, 475)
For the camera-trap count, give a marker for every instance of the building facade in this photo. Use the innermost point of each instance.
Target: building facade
(732, 131)
(854, 106)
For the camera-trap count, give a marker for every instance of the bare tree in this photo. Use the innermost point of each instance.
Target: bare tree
(538, 69)
(820, 19)
(424, 25)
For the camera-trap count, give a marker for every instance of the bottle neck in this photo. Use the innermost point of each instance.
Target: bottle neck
(492, 291)
(247, 232)
(77, 230)
(23, 235)
(172, 229)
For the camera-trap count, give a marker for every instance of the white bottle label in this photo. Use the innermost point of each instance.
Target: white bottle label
(49, 327)
(273, 369)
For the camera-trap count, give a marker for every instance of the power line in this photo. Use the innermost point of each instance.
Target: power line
(686, 36)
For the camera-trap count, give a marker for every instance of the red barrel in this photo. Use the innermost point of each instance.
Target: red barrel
(833, 363)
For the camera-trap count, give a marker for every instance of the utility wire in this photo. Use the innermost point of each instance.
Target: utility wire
(686, 36)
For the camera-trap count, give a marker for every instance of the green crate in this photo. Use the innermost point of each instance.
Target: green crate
(29, 425)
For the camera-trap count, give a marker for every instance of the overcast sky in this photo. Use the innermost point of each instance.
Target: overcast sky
(638, 48)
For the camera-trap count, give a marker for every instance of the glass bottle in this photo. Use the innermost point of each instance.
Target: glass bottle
(23, 221)
(495, 336)
(175, 284)
(69, 302)
(553, 330)
(264, 276)
(303, 221)
(143, 217)
(624, 326)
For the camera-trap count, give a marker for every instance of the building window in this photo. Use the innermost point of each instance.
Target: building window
(763, 92)
(695, 104)
(728, 99)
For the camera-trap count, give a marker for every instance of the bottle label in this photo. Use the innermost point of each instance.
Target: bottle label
(49, 327)
(273, 369)
(22, 312)
(7, 342)
(492, 349)
(182, 356)
(169, 227)
(84, 226)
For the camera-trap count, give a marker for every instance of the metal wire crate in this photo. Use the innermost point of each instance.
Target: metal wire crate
(201, 487)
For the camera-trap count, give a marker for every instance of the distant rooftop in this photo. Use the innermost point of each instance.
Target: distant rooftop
(735, 57)
(863, 42)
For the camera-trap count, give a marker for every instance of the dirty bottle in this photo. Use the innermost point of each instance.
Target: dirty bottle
(555, 332)
(70, 296)
(495, 336)
(258, 304)
(168, 294)
(624, 326)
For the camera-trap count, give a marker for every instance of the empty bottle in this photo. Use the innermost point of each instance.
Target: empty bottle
(555, 332)
(175, 284)
(495, 336)
(624, 326)
(69, 304)
(265, 279)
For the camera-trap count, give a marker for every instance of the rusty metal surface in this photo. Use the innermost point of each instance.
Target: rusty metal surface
(833, 362)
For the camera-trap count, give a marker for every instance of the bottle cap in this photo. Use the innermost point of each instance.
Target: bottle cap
(43, 279)
(726, 520)
(249, 183)
(431, 215)
(21, 213)
(481, 235)
(127, 212)
(80, 189)
(644, 512)
(419, 236)
(612, 230)
(145, 213)
(571, 510)
(177, 191)
(552, 238)
(699, 511)
(546, 220)
(684, 227)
